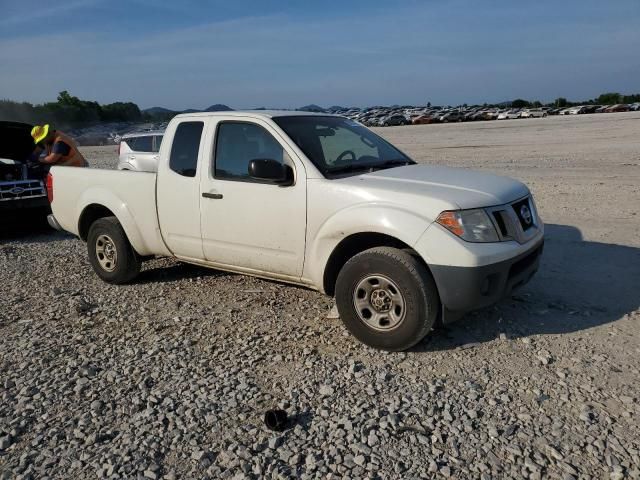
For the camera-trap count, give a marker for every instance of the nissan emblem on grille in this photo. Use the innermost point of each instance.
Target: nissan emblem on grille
(525, 213)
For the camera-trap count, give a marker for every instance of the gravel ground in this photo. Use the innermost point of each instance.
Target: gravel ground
(170, 377)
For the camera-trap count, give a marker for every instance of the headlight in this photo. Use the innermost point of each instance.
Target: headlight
(470, 225)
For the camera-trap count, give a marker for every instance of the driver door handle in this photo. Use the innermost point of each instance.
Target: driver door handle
(215, 196)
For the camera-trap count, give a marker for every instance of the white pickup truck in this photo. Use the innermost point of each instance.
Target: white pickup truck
(314, 200)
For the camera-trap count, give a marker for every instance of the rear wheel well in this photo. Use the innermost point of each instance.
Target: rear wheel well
(89, 215)
(351, 246)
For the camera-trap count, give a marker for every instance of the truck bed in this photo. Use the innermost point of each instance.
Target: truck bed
(130, 196)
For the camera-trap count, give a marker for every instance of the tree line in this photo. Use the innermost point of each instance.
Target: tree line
(610, 98)
(69, 111)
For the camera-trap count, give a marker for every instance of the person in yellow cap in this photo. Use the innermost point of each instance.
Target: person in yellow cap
(60, 148)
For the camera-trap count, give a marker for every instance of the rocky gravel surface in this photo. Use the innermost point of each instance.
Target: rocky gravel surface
(170, 377)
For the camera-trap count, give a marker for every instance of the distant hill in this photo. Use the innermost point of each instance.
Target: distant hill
(157, 110)
(218, 107)
(312, 108)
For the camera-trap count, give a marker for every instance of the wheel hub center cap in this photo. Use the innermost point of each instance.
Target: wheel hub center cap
(381, 300)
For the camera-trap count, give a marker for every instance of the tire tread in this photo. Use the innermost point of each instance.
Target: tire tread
(420, 274)
(131, 259)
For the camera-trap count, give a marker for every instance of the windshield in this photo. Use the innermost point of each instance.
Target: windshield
(338, 145)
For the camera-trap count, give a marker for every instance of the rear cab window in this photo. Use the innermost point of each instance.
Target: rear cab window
(185, 147)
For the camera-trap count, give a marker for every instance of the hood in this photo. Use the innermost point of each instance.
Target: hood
(15, 141)
(450, 188)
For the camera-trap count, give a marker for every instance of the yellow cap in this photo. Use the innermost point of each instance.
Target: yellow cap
(39, 133)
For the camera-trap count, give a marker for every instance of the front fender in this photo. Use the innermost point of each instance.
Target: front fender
(107, 199)
(392, 220)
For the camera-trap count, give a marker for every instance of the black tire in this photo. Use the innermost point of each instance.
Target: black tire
(125, 266)
(415, 285)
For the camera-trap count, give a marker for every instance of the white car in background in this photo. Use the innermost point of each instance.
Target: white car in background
(139, 151)
(533, 113)
(508, 115)
(577, 110)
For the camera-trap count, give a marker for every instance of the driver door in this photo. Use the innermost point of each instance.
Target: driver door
(248, 224)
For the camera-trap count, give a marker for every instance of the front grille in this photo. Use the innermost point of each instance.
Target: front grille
(514, 223)
(524, 213)
(22, 190)
(502, 226)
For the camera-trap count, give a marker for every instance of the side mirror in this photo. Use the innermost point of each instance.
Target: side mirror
(271, 171)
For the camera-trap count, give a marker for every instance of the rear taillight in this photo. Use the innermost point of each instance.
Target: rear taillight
(50, 187)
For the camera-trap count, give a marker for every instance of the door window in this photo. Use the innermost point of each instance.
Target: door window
(237, 144)
(184, 150)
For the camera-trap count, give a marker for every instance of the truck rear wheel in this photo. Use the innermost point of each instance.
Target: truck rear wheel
(110, 253)
(386, 298)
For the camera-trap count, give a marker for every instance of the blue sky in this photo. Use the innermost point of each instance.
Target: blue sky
(252, 53)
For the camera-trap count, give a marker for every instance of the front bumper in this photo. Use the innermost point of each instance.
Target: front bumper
(20, 203)
(463, 289)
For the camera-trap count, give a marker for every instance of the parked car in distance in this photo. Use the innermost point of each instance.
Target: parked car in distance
(577, 110)
(508, 115)
(533, 113)
(617, 108)
(590, 108)
(423, 120)
(139, 151)
(394, 120)
(22, 181)
(454, 116)
(314, 200)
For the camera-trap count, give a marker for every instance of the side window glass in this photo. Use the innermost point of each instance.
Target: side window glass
(237, 144)
(140, 144)
(184, 150)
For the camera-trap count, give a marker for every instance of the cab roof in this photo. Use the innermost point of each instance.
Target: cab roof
(256, 113)
(142, 133)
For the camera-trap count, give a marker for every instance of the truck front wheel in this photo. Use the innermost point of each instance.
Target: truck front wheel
(110, 253)
(387, 298)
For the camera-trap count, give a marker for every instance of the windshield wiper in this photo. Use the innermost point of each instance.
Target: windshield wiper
(349, 168)
(393, 163)
(370, 166)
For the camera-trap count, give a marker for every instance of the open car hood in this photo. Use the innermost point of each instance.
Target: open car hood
(15, 141)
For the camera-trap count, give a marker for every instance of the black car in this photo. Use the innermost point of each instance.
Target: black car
(22, 181)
